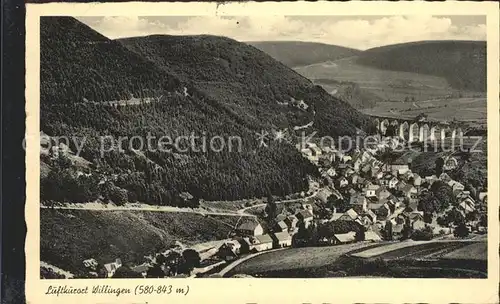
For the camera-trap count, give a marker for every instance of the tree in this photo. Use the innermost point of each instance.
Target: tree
(360, 235)
(461, 230)
(388, 230)
(155, 272)
(191, 260)
(439, 166)
(271, 207)
(125, 272)
(424, 234)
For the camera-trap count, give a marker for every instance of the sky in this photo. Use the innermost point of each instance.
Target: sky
(359, 32)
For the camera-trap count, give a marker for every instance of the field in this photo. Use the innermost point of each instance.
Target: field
(432, 95)
(450, 259)
(70, 236)
(389, 85)
(295, 258)
(442, 109)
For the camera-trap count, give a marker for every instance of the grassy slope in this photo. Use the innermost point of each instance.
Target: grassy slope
(297, 53)
(462, 63)
(70, 236)
(386, 84)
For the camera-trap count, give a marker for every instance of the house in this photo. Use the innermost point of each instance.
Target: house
(366, 169)
(281, 239)
(445, 177)
(346, 158)
(382, 193)
(372, 236)
(252, 228)
(399, 169)
(141, 269)
(229, 250)
(112, 267)
(316, 151)
(431, 179)
(371, 190)
(263, 242)
(456, 186)
(450, 164)
(186, 197)
(349, 171)
(305, 216)
(377, 173)
(397, 230)
(467, 205)
(342, 182)
(291, 222)
(323, 195)
(331, 172)
(354, 179)
(90, 263)
(417, 220)
(372, 215)
(417, 180)
(401, 185)
(357, 163)
(349, 215)
(307, 152)
(344, 238)
(280, 217)
(281, 226)
(410, 191)
(360, 200)
(365, 220)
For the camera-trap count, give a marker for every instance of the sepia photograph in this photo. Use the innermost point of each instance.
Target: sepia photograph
(246, 146)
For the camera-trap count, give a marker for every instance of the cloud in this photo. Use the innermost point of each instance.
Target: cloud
(354, 32)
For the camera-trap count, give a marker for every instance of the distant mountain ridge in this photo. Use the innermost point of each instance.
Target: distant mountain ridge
(298, 53)
(462, 63)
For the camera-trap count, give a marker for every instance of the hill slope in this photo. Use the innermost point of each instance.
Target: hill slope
(298, 53)
(248, 81)
(462, 63)
(82, 71)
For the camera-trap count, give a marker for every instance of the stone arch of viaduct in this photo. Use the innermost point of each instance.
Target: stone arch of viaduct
(417, 131)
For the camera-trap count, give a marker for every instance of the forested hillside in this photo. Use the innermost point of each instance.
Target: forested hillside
(298, 53)
(249, 82)
(81, 69)
(462, 63)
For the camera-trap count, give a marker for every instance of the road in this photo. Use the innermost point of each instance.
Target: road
(243, 210)
(152, 208)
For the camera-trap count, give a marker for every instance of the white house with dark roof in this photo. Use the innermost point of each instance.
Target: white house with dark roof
(252, 228)
(349, 215)
(281, 239)
(305, 216)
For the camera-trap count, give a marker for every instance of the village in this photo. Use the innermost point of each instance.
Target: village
(362, 196)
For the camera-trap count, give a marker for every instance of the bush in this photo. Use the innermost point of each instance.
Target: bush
(424, 234)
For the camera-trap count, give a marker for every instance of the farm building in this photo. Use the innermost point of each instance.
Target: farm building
(229, 250)
(305, 216)
(281, 226)
(282, 239)
(261, 243)
(252, 228)
(349, 215)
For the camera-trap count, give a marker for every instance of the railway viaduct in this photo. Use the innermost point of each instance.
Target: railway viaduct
(417, 131)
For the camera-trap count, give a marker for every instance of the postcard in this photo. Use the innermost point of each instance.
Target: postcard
(308, 152)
